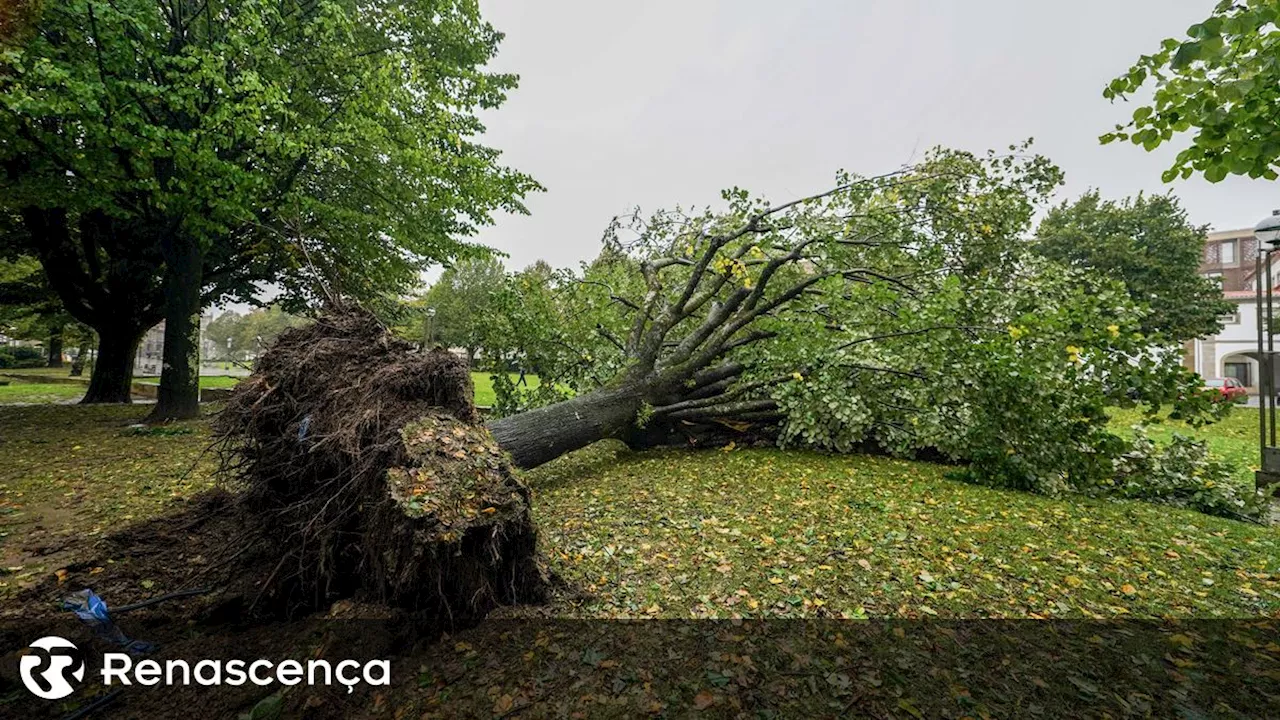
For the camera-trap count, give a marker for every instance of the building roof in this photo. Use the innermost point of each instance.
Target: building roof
(1229, 234)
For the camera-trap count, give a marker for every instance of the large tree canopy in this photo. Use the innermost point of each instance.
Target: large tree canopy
(1222, 84)
(1148, 244)
(223, 143)
(903, 312)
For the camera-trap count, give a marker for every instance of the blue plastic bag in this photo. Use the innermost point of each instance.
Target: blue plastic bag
(92, 610)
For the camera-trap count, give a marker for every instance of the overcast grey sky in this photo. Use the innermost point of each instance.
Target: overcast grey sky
(666, 102)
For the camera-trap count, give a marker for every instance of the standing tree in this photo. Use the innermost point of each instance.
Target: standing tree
(219, 144)
(1221, 82)
(1148, 244)
(104, 274)
(465, 304)
(30, 309)
(237, 337)
(223, 334)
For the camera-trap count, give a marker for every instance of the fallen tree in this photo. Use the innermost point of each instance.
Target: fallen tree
(697, 322)
(365, 466)
(903, 313)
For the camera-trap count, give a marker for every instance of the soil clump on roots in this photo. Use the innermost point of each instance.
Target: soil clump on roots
(366, 465)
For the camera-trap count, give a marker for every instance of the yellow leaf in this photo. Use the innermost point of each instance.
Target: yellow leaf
(704, 700)
(775, 581)
(1128, 589)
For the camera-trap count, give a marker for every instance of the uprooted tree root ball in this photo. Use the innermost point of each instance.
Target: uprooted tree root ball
(367, 467)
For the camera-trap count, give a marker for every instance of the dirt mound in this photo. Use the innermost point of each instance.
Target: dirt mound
(365, 464)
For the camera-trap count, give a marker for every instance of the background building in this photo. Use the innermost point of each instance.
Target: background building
(150, 358)
(1231, 257)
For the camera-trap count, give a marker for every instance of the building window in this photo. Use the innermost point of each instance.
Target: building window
(1227, 252)
(1241, 371)
(1232, 319)
(1215, 276)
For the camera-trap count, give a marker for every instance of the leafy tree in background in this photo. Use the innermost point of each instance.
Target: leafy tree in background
(163, 156)
(1222, 84)
(29, 309)
(237, 338)
(465, 300)
(1148, 244)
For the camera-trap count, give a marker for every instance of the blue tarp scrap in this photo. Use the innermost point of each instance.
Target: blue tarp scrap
(92, 610)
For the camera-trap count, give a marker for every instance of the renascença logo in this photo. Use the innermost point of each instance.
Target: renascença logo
(50, 667)
(52, 663)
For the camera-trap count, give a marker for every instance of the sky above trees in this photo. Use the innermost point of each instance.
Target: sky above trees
(666, 102)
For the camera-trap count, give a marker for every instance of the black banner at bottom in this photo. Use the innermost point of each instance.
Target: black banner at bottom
(659, 668)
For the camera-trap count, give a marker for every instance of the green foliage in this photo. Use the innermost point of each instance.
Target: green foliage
(466, 307)
(511, 398)
(919, 321)
(327, 142)
(29, 308)
(1183, 473)
(675, 534)
(236, 337)
(1148, 244)
(1221, 83)
(19, 356)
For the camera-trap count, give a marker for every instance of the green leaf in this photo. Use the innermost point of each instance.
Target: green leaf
(1187, 53)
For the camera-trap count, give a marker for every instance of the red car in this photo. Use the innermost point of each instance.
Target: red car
(1229, 389)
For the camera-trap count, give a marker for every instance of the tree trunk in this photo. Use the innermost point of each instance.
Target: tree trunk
(179, 396)
(82, 354)
(55, 348)
(112, 378)
(540, 436)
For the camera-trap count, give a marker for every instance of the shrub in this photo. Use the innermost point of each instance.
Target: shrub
(21, 357)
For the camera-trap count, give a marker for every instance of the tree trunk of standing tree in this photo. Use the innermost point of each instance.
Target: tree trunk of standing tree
(112, 378)
(179, 396)
(55, 347)
(82, 354)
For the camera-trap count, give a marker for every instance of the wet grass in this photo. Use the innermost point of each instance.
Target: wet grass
(745, 533)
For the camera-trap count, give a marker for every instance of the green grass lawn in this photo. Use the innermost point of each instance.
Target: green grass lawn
(752, 533)
(24, 392)
(484, 386)
(773, 533)
(206, 381)
(483, 383)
